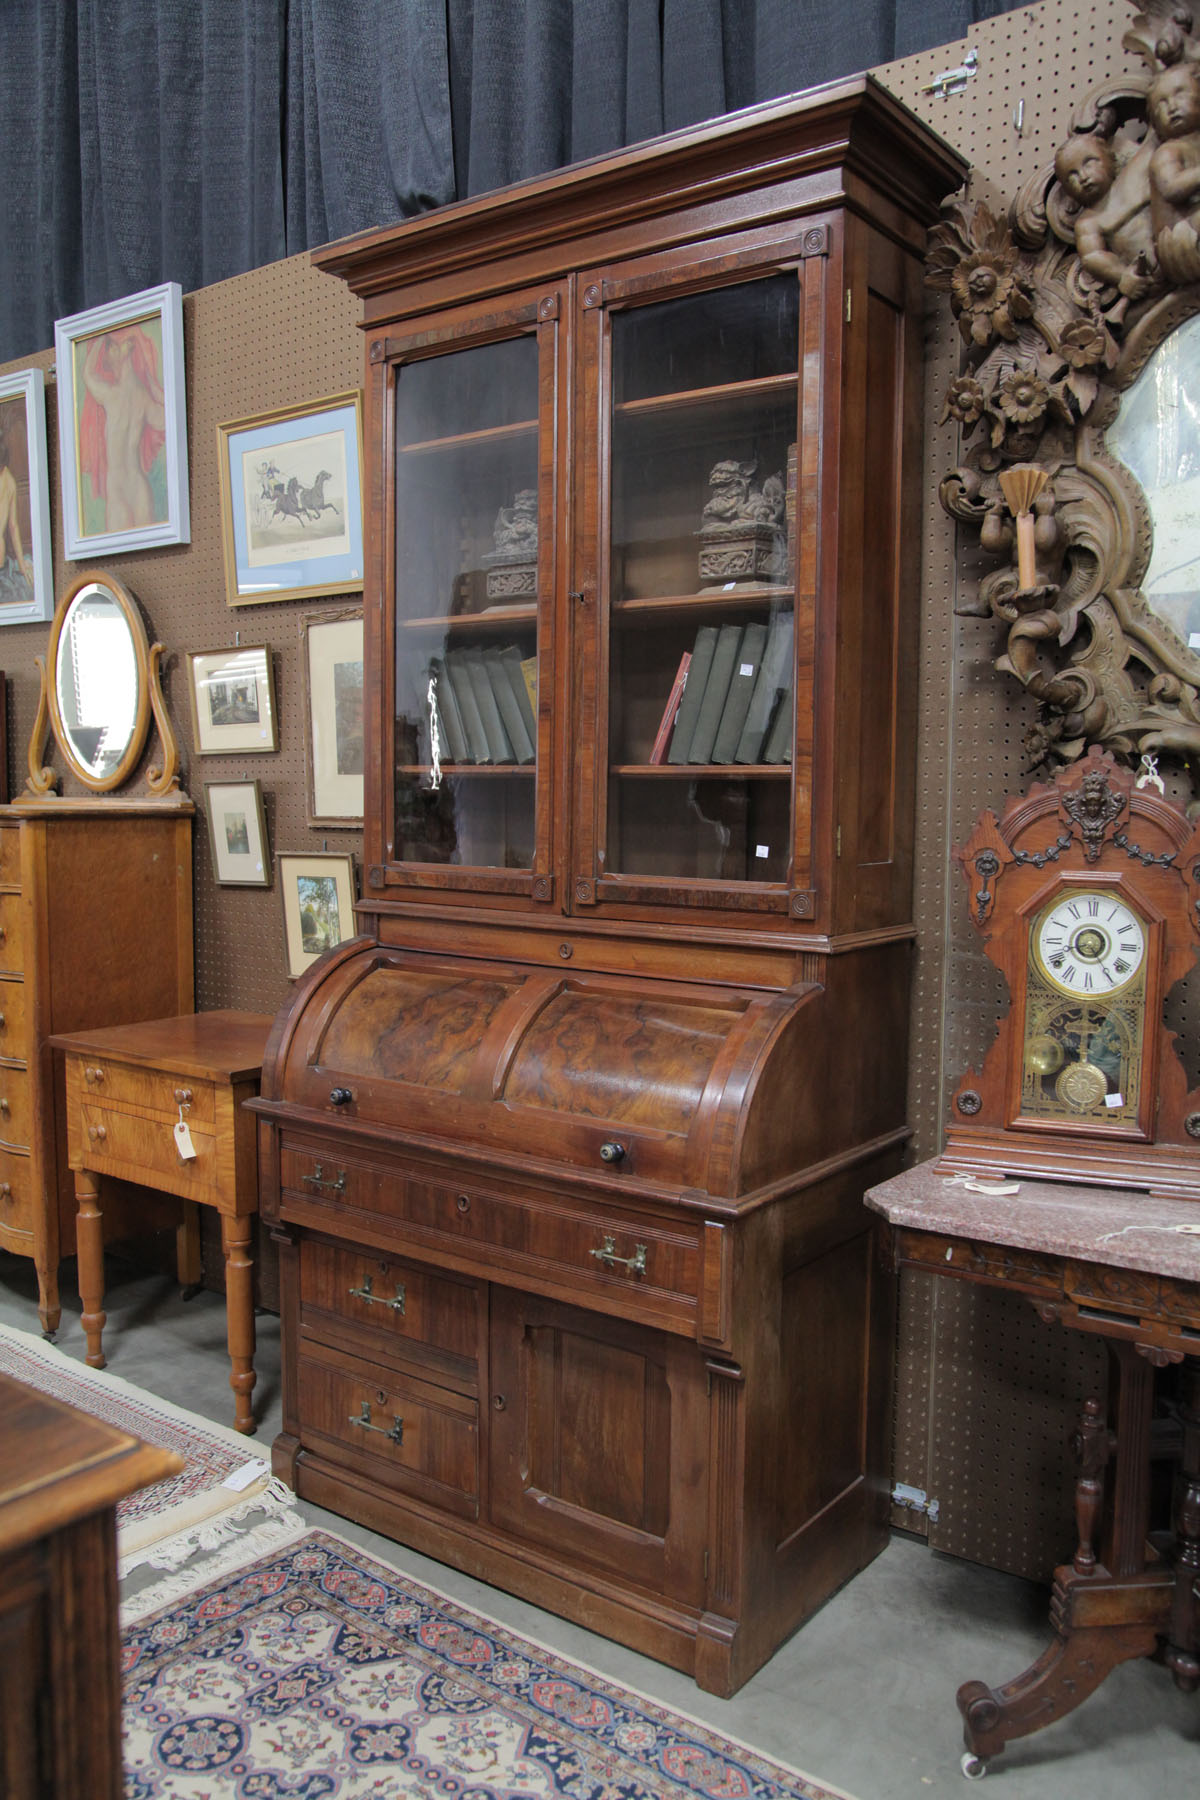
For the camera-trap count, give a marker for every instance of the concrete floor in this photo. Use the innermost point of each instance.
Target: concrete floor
(861, 1697)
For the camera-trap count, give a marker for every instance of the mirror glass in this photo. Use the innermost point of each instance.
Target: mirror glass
(1157, 436)
(97, 682)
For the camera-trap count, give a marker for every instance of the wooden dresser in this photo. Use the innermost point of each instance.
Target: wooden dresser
(565, 1154)
(95, 929)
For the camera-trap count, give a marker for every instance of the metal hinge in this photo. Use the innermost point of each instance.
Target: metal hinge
(915, 1500)
(953, 81)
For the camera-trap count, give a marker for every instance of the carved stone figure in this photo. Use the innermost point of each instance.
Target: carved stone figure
(512, 565)
(741, 529)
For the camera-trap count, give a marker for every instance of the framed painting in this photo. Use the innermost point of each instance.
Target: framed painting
(26, 566)
(291, 501)
(122, 425)
(318, 905)
(333, 689)
(237, 833)
(232, 695)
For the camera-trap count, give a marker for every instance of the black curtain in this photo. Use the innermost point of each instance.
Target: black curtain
(190, 140)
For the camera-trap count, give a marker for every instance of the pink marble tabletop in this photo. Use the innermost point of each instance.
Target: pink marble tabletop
(1118, 1226)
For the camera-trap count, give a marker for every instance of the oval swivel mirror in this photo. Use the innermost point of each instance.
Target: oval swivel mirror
(99, 686)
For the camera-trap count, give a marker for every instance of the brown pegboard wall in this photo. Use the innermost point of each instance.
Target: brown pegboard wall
(281, 334)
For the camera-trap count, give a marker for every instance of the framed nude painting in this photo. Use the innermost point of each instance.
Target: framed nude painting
(26, 568)
(122, 425)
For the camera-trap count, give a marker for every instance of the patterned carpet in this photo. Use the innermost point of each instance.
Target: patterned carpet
(321, 1674)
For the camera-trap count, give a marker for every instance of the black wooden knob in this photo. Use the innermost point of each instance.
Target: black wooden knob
(612, 1153)
(340, 1096)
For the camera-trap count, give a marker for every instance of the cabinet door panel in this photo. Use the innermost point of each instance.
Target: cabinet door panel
(598, 1434)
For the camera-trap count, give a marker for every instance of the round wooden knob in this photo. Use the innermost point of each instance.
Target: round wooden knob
(5, 1190)
(93, 1074)
(96, 1133)
(4, 1104)
(3, 1021)
(183, 1096)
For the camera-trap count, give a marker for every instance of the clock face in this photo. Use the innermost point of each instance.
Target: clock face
(1089, 943)
(1085, 995)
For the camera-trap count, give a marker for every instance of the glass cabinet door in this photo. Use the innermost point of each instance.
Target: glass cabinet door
(473, 539)
(702, 422)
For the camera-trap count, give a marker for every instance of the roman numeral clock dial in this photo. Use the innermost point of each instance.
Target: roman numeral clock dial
(1086, 893)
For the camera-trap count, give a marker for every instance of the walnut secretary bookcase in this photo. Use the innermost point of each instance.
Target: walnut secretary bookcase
(565, 1153)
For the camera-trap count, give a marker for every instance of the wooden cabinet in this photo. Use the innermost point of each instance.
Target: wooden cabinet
(566, 1152)
(95, 929)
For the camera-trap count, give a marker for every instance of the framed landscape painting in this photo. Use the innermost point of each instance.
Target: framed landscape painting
(26, 567)
(233, 700)
(291, 501)
(237, 831)
(318, 905)
(122, 425)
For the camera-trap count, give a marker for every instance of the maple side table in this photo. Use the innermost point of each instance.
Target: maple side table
(1126, 1267)
(130, 1088)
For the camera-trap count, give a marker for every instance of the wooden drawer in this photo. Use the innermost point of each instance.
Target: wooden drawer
(16, 1203)
(392, 1428)
(652, 1267)
(128, 1085)
(12, 935)
(15, 1107)
(131, 1144)
(10, 856)
(391, 1309)
(12, 1019)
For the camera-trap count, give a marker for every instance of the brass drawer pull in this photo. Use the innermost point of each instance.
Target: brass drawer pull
(97, 1133)
(364, 1293)
(396, 1434)
(607, 1253)
(91, 1073)
(319, 1179)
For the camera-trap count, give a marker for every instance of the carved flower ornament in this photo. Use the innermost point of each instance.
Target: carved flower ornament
(965, 401)
(978, 269)
(1084, 345)
(1023, 396)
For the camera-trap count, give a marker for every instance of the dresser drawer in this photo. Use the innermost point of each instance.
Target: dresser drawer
(390, 1309)
(12, 1019)
(16, 1203)
(131, 1144)
(395, 1429)
(10, 856)
(15, 1107)
(650, 1267)
(126, 1085)
(12, 935)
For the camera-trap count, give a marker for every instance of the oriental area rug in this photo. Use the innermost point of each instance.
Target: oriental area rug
(319, 1673)
(223, 1509)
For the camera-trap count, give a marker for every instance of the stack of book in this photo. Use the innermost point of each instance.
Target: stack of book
(731, 701)
(486, 705)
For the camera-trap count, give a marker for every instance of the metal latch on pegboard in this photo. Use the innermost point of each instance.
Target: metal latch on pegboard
(953, 81)
(915, 1499)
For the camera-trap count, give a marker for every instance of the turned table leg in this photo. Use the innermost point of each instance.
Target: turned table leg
(239, 1313)
(89, 1245)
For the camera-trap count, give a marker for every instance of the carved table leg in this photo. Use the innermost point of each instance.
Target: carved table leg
(49, 1307)
(1103, 1613)
(239, 1315)
(89, 1244)
(1183, 1645)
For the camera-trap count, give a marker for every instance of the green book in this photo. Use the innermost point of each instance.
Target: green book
(501, 750)
(778, 748)
(774, 677)
(741, 690)
(716, 690)
(452, 731)
(468, 707)
(511, 668)
(693, 693)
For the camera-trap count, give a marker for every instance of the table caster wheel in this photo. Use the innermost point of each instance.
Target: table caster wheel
(973, 1767)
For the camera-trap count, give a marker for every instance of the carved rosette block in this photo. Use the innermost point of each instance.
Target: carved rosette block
(509, 579)
(739, 552)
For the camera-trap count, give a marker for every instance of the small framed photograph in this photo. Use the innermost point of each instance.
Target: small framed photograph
(122, 425)
(332, 659)
(26, 566)
(318, 905)
(291, 501)
(237, 831)
(233, 701)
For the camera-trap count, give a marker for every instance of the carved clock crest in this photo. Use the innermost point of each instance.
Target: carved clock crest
(1080, 463)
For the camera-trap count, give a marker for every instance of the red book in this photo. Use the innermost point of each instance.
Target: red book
(659, 752)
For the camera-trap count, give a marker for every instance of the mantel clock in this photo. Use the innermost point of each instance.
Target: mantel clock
(1086, 893)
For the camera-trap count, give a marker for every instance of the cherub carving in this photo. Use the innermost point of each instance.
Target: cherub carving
(1173, 102)
(1113, 236)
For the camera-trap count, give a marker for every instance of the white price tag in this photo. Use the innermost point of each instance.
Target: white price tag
(183, 1142)
(243, 1477)
(1114, 1101)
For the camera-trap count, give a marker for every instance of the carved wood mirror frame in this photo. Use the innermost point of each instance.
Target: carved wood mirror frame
(1061, 306)
(147, 658)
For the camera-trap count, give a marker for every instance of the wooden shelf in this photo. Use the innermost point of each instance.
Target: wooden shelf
(737, 597)
(499, 618)
(706, 771)
(492, 434)
(452, 768)
(770, 387)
